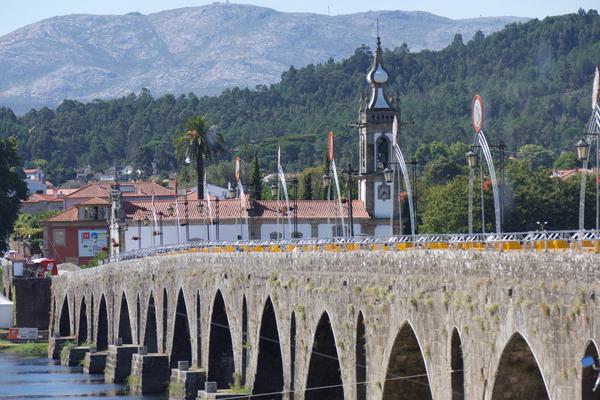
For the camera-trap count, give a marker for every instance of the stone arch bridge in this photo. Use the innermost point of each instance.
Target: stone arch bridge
(358, 325)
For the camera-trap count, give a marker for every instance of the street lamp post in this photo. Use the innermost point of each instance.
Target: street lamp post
(413, 164)
(348, 171)
(472, 162)
(217, 218)
(187, 220)
(295, 186)
(274, 194)
(583, 154)
(542, 227)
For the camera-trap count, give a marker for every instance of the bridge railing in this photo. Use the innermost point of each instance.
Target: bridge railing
(580, 241)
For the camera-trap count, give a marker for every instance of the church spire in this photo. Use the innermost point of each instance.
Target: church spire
(378, 78)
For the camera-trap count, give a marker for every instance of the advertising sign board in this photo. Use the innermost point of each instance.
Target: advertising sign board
(91, 242)
(22, 333)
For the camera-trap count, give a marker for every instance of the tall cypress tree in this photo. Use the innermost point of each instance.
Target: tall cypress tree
(255, 181)
(306, 192)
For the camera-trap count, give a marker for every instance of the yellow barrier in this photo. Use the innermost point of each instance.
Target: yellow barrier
(586, 246)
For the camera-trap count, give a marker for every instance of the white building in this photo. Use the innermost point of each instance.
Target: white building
(35, 180)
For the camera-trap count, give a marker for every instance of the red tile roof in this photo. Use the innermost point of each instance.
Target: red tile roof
(232, 209)
(39, 197)
(102, 190)
(66, 216)
(94, 201)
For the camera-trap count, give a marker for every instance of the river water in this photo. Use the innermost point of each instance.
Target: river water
(40, 378)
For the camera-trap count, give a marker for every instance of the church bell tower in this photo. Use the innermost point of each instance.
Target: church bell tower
(376, 118)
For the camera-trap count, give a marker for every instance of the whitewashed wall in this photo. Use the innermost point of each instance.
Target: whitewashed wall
(227, 232)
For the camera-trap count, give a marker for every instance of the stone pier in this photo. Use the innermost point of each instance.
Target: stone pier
(94, 363)
(185, 383)
(149, 373)
(118, 362)
(76, 356)
(55, 345)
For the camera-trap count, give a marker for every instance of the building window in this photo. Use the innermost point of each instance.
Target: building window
(338, 230)
(297, 235)
(93, 213)
(58, 237)
(275, 235)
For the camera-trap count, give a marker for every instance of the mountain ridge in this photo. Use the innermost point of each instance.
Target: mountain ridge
(84, 56)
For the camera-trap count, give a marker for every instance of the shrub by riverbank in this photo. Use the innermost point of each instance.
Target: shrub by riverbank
(24, 349)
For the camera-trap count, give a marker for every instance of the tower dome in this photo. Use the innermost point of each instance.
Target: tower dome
(378, 79)
(377, 74)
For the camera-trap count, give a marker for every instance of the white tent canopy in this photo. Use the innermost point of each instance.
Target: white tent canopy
(6, 313)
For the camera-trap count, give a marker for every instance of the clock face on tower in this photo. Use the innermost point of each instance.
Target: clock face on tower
(384, 192)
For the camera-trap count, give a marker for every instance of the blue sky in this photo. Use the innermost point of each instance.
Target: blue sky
(17, 13)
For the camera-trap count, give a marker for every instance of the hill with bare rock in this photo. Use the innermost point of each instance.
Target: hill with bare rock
(200, 49)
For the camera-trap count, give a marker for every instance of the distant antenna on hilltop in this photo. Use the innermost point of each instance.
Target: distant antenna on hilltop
(328, 11)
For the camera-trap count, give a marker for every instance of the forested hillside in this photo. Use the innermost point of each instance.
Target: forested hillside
(535, 77)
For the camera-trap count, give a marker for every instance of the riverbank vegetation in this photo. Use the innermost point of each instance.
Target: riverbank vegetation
(25, 349)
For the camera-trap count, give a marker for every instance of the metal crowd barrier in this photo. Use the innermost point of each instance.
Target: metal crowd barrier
(575, 241)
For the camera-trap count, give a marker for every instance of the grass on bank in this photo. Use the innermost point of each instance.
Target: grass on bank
(24, 349)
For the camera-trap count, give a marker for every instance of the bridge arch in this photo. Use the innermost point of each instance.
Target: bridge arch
(221, 364)
(269, 368)
(457, 373)
(64, 325)
(406, 359)
(361, 358)
(150, 330)
(124, 331)
(82, 329)
(324, 370)
(519, 361)
(181, 344)
(102, 331)
(588, 375)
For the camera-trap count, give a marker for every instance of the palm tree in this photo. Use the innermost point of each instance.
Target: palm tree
(196, 142)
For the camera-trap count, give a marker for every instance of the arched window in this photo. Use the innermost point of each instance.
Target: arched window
(383, 150)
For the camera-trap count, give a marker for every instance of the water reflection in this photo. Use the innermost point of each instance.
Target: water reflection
(40, 378)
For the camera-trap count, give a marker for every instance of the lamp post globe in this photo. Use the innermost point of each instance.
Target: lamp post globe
(388, 174)
(583, 148)
(471, 159)
(274, 190)
(232, 193)
(326, 179)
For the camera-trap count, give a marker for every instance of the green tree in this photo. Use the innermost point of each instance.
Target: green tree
(198, 141)
(31, 226)
(306, 190)
(255, 179)
(566, 160)
(536, 155)
(12, 188)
